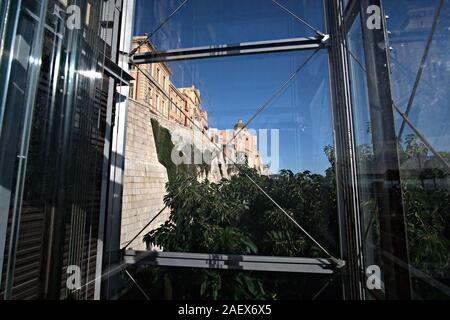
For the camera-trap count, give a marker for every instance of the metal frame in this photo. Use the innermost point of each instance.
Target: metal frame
(256, 263)
(112, 70)
(339, 20)
(112, 218)
(231, 262)
(118, 77)
(213, 261)
(346, 171)
(387, 184)
(225, 50)
(350, 13)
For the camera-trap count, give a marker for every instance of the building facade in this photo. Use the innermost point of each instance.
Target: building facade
(240, 146)
(152, 86)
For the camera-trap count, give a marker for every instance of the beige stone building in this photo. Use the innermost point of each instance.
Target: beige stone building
(197, 115)
(155, 89)
(151, 85)
(178, 106)
(240, 145)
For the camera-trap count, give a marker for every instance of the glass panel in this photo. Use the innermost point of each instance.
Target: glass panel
(230, 155)
(420, 41)
(59, 205)
(165, 283)
(286, 149)
(203, 22)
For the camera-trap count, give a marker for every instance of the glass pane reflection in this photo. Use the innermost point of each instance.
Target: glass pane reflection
(287, 149)
(425, 174)
(419, 77)
(203, 22)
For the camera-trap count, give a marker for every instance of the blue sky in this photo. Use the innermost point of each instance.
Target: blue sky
(234, 88)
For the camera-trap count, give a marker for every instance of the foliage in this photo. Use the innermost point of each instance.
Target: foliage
(427, 206)
(428, 229)
(426, 195)
(235, 217)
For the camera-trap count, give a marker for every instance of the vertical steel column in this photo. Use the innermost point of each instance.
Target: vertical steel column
(386, 183)
(109, 193)
(112, 284)
(346, 174)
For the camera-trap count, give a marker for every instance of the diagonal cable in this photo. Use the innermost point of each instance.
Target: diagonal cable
(159, 27)
(327, 284)
(337, 261)
(306, 23)
(289, 216)
(292, 76)
(273, 96)
(356, 59)
(408, 73)
(422, 66)
(137, 285)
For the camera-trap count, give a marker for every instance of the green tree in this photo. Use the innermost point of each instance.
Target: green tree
(235, 217)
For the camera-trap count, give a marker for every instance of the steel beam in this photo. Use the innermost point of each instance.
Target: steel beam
(230, 262)
(112, 69)
(247, 48)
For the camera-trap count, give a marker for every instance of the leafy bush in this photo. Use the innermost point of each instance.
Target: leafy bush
(234, 217)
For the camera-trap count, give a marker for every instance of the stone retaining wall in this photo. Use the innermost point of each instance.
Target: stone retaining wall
(144, 178)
